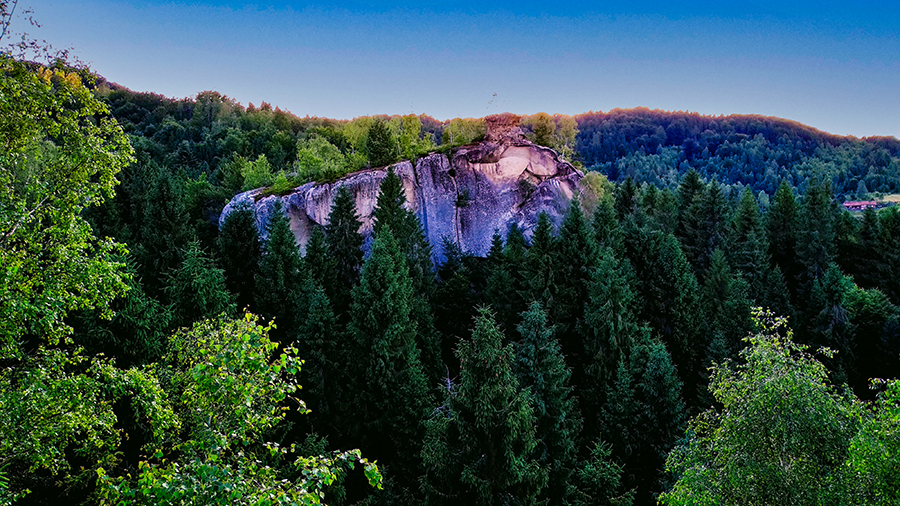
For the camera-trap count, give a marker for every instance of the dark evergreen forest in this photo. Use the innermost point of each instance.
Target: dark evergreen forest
(618, 356)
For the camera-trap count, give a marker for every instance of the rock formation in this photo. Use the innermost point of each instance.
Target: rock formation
(488, 186)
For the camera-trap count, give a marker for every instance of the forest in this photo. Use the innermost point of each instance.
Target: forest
(711, 327)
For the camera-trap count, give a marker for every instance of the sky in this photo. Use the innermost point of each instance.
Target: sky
(831, 65)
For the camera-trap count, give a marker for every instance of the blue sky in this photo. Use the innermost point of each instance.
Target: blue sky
(832, 65)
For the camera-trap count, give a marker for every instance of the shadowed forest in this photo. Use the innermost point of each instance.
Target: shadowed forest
(707, 324)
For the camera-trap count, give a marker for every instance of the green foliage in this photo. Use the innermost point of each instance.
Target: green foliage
(478, 447)
(599, 478)
(462, 131)
(388, 384)
(873, 462)
(381, 146)
(239, 253)
(344, 244)
(542, 129)
(643, 415)
(228, 392)
(780, 437)
(541, 369)
(257, 173)
(280, 271)
(60, 153)
(197, 288)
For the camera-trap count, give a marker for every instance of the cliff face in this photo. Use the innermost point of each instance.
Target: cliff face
(487, 187)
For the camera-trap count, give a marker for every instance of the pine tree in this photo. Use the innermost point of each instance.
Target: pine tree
(319, 344)
(479, 444)
(280, 275)
(388, 379)
(607, 233)
(344, 244)
(541, 369)
(815, 245)
(197, 288)
(626, 199)
(599, 478)
(705, 227)
(239, 253)
(671, 304)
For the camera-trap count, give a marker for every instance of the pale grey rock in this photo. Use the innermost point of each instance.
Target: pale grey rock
(489, 186)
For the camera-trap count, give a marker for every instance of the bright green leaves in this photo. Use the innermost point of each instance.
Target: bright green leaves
(782, 433)
(59, 153)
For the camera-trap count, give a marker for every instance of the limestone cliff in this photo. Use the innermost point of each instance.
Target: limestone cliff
(488, 186)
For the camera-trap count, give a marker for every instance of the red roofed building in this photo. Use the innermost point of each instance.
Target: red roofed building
(860, 205)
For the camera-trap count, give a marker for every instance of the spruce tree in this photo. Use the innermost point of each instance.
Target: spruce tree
(573, 260)
(626, 199)
(727, 306)
(644, 417)
(479, 444)
(280, 275)
(598, 481)
(705, 227)
(541, 369)
(197, 288)
(747, 247)
(388, 381)
(165, 233)
(344, 244)
(415, 248)
(318, 342)
(609, 332)
(815, 245)
(607, 233)
(317, 262)
(671, 304)
(782, 223)
(381, 146)
(539, 261)
(239, 253)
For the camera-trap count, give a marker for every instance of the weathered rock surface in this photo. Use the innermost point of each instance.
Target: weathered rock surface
(487, 187)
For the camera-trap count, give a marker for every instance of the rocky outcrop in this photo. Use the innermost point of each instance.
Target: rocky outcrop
(488, 186)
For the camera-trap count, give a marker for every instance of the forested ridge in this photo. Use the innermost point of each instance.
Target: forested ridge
(151, 356)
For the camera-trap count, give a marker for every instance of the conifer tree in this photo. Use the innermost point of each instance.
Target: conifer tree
(415, 248)
(644, 417)
(607, 233)
(626, 199)
(316, 262)
(164, 233)
(782, 222)
(319, 345)
(815, 245)
(280, 274)
(239, 253)
(541, 369)
(197, 288)
(747, 247)
(671, 304)
(478, 447)
(609, 332)
(381, 146)
(344, 244)
(573, 260)
(705, 227)
(539, 261)
(388, 381)
(599, 479)
(690, 187)
(727, 307)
